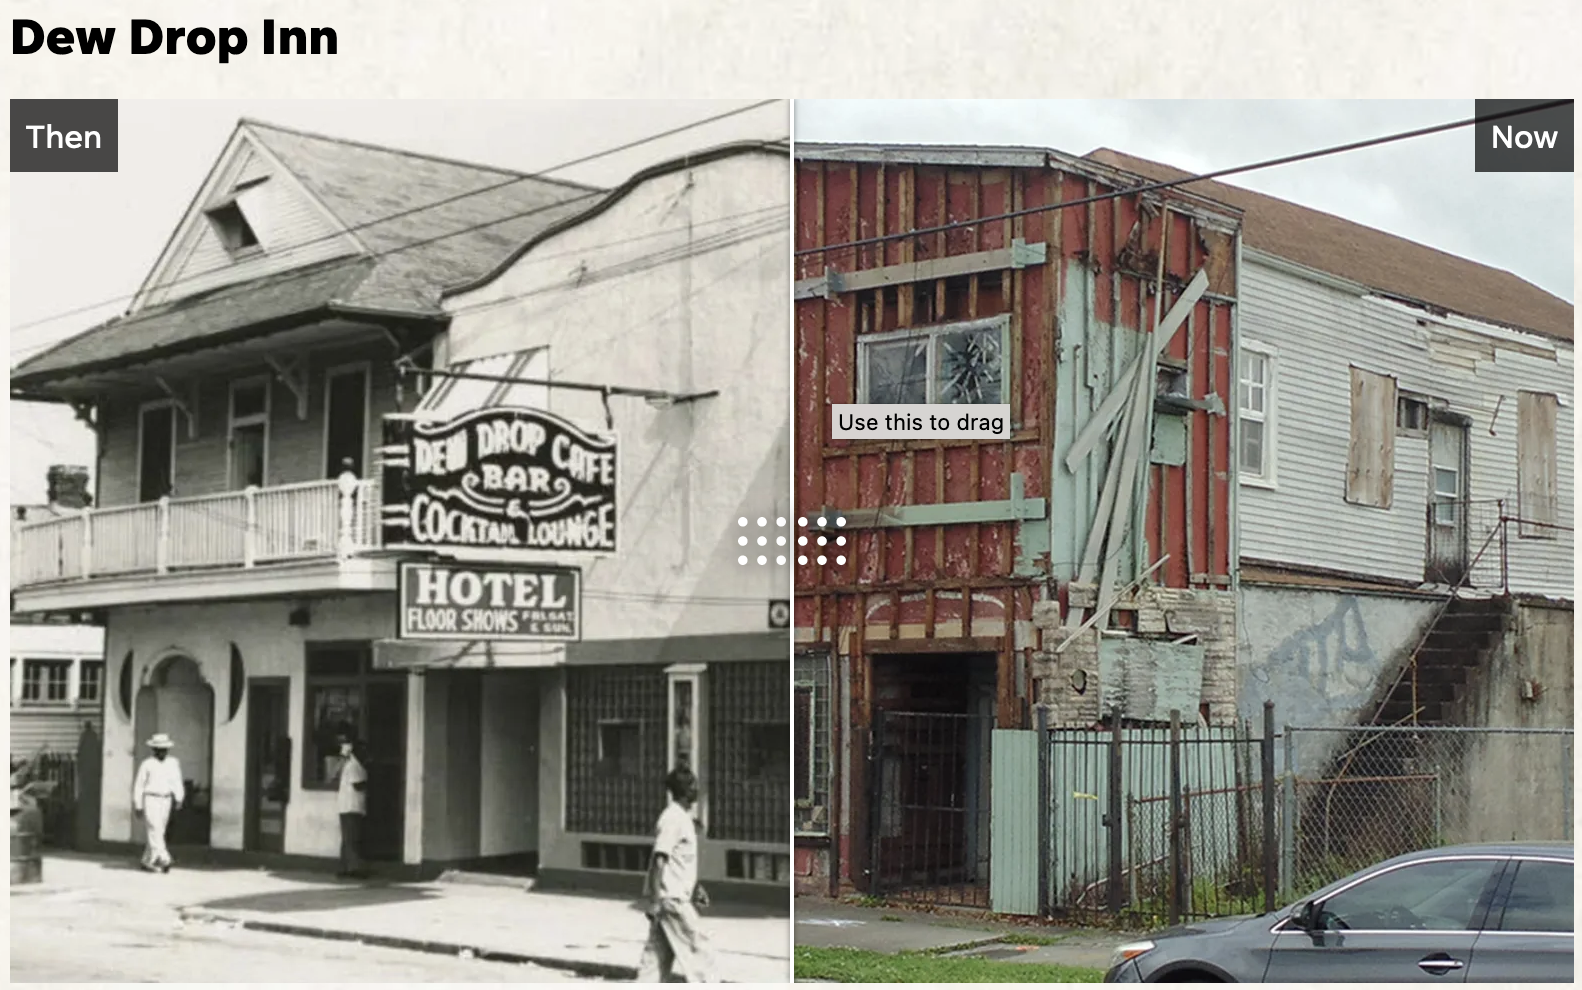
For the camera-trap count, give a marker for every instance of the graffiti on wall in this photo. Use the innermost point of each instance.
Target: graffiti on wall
(1333, 654)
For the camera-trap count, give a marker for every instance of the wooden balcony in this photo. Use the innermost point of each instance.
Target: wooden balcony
(196, 542)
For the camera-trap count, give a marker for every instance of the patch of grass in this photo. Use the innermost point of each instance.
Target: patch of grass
(1029, 939)
(862, 966)
(891, 917)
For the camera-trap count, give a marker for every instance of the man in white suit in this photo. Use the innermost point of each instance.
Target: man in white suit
(157, 792)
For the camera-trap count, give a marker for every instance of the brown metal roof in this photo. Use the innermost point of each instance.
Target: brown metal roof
(1389, 264)
(412, 258)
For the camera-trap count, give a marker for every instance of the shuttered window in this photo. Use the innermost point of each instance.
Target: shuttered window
(1370, 463)
(1537, 472)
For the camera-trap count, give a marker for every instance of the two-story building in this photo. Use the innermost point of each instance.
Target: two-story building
(956, 587)
(57, 663)
(233, 550)
(1406, 456)
(654, 323)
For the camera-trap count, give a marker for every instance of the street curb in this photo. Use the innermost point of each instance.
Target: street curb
(580, 967)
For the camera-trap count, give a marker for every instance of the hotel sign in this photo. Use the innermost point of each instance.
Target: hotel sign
(498, 478)
(464, 602)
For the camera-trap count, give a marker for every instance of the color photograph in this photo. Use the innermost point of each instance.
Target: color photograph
(1220, 629)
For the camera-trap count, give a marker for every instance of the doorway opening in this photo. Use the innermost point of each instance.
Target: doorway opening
(929, 781)
(176, 700)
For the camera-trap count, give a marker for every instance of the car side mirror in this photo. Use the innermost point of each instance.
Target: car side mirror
(1305, 916)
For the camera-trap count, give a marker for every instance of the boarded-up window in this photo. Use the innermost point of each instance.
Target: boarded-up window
(1537, 473)
(1370, 464)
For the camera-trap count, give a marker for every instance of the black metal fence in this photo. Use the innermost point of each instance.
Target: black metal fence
(929, 803)
(1159, 824)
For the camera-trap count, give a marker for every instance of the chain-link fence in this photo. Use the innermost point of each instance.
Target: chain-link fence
(1354, 796)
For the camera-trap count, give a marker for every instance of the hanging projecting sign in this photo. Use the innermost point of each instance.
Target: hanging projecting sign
(500, 478)
(459, 601)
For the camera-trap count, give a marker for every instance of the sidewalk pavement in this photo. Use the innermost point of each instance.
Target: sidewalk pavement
(831, 924)
(592, 935)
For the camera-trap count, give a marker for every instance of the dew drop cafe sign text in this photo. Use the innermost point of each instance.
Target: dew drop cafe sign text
(453, 601)
(498, 478)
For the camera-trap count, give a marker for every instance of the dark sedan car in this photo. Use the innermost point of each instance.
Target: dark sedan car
(1482, 914)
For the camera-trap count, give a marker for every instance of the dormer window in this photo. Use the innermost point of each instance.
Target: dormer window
(233, 229)
(240, 222)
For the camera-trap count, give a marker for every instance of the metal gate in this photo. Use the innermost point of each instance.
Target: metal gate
(929, 778)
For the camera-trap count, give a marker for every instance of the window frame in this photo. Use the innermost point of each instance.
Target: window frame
(365, 368)
(251, 419)
(143, 409)
(1552, 445)
(1496, 926)
(311, 757)
(1487, 898)
(1351, 493)
(219, 218)
(808, 669)
(1268, 476)
(932, 332)
(98, 682)
(46, 665)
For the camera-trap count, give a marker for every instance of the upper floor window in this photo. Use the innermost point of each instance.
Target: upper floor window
(1370, 460)
(1255, 414)
(241, 222)
(249, 432)
(1537, 468)
(952, 364)
(46, 681)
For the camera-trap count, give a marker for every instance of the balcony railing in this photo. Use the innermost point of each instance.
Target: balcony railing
(331, 519)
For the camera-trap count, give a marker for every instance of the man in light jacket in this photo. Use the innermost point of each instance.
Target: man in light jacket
(157, 791)
(676, 942)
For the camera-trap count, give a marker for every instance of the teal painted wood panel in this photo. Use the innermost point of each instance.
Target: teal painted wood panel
(1013, 825)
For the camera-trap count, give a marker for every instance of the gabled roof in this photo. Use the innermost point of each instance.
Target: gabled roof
(1394, 266)
(381, 197)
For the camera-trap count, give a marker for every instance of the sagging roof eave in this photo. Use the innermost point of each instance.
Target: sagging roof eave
(27, 384)
(619, 193)
(1297, 269)
(1013, 156)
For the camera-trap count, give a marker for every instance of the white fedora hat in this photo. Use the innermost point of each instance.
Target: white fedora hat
(160, 741)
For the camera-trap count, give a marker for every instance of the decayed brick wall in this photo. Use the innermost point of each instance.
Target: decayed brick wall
(1068, 684)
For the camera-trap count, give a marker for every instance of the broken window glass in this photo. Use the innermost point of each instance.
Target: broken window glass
(969, 367)
(898, 371)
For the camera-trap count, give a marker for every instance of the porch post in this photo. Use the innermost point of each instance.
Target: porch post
(250, 535)
(87, 545)
(346, 486)
(162, 552)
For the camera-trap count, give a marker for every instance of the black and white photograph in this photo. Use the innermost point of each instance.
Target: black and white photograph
(1242, 649)
(400, 545)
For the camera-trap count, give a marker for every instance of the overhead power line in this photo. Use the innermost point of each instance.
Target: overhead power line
(583, 160)
(1172, 183)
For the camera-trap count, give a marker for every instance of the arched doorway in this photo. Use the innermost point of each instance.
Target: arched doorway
(176, 700)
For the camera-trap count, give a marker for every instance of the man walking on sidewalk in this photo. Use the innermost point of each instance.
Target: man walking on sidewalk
(157, 791)
(676, 943)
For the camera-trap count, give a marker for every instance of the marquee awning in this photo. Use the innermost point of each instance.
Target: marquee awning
(465, 654)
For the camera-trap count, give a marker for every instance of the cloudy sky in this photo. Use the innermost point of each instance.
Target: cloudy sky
(1423, 188)
(91, 238)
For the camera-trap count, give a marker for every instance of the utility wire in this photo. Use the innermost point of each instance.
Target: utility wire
(434, 205)
(1172, 183)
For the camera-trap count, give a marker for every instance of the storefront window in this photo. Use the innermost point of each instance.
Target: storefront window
(336, 701)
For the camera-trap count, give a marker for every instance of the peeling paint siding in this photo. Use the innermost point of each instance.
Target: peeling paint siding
(1318, 332)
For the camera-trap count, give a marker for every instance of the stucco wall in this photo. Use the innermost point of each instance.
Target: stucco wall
(270, 647)
(1319, 655)
(680, 285)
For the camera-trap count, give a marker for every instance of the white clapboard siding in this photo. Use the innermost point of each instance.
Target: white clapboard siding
(1319, 331)
(298, 232)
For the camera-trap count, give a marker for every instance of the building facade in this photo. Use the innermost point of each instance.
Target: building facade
(233, 550)
(959, 586)
(673, 292)
(1416, 409)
